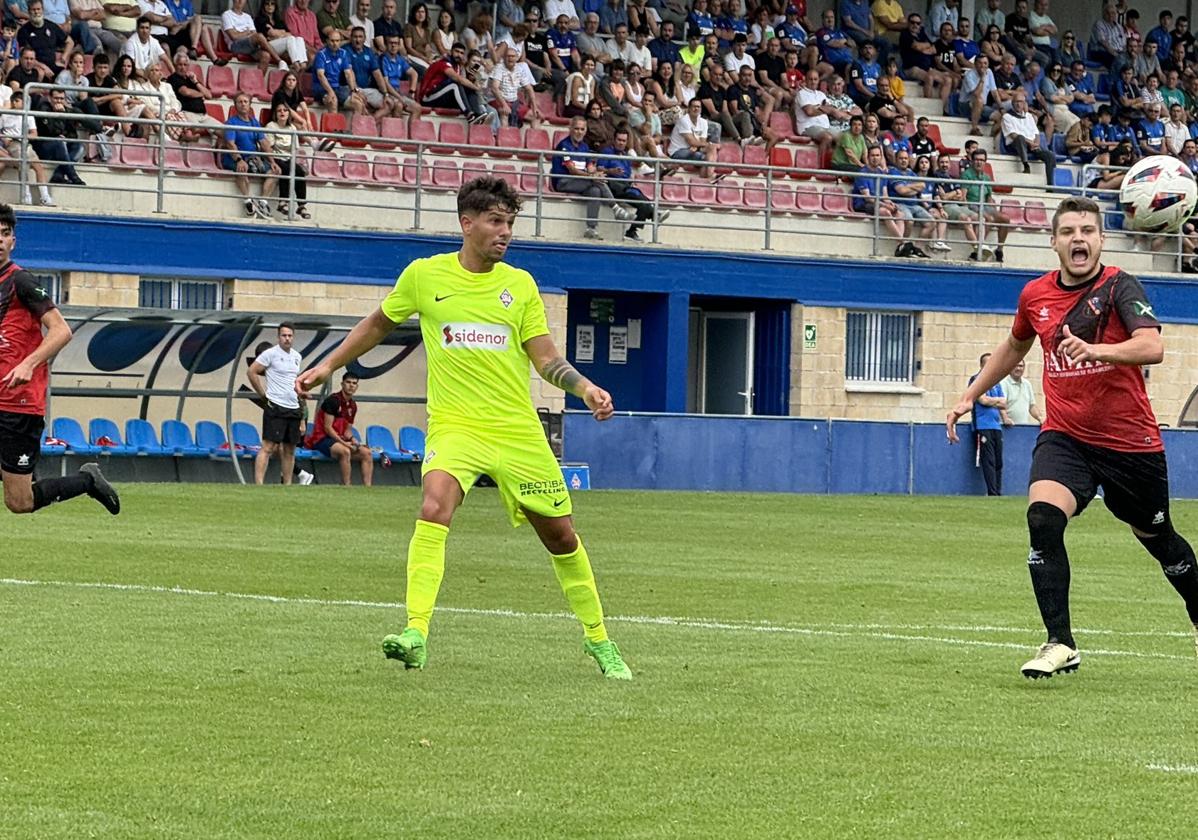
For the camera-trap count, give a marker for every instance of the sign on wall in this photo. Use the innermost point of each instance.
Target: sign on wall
(617, 346)
(584, 343)
(809, 336)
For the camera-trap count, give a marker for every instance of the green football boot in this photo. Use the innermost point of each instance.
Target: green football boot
(409, 647)
(609, 659)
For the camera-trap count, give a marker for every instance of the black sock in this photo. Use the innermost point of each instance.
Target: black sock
(52, 490)
(1177, 562)
(1049, 566)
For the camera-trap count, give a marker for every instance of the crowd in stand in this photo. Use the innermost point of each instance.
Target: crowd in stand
(638, 78)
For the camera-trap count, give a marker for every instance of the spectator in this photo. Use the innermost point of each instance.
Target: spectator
(367, 78)
(334, 75)
(301, 22)
(332, 434)
(581, 176)
(889, 23)
(1147, 64)
(448, 83)
(1056, 98)
(992, 46)
(563, 8)
(762, 28)
(145, 50)
(1176, 61)
(361, 17)
(186, 29)
(1021, 409)
(619, 48)
(835, 52)
(1152, 93)
(581, 87)
(863, 75)
(511, 83)
(1188, 156)
(1068, 51)
(387, 24)
(589, 42)
(738, 58)
(811, 113)
(1112, 168)
(164, 102)
(649, 136)
(869, 198)
(417, 39)
(872, 133)
(272, 376)
(10, 48)
(1082, 89)
(965, 51)
(1108, 39)
(644, 18)
(477, 36)
(537, 54)
(508, 14)
(1127, 96)
(79, 101)
(753, 109)
(394, 70)
(28, 70)
(613, 91)
(922, 144)
(950, 198)
(662, 48)
(249, 155)
(1177, 130)
(992, 15)
(1171, 92)
(283, 139)
(1018, 36)
(46, 39)
(270, 24)
(289, 94)
(120, 20)
(700, 19)
(918, 53)
(444, 34)
(1006, 83)
(332, 18)
(685, 88)
(731, 23)
(1150, 133)
(857, 22)
(849, 154)
(563, 51)
(192, 95)
(1103, 133)
(689, 141)
(243, 37)
(987, 426)
(884, 104)
(1182, 35)
(940, 13)
(771, 68)
(108, 104)
(944, 62)
(1020, 133)
(13, 126)
(842, 108)
(640, 49)
(617, 168)
(978, 193)
(55, 139)
(974, 96)
(793, 38)
(1078, 145)
(909, 194)
(895, 140)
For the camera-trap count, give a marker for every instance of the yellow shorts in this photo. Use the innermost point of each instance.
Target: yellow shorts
(523, 467)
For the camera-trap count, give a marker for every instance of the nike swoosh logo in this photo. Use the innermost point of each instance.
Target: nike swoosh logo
(559, 502)
(439, 298)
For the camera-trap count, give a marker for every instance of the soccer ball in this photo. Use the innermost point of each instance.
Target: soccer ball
(1158, 195)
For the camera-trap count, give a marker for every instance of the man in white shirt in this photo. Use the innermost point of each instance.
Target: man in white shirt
(942, 12)
(1177, 130)
(688, 140)
(243, 37)
(554, 8)
(973, 98)
(272, 376)
(811, 112)
(618, 46)
(144, 49)
(508, 81)
(1041, 26)
(159, 15)
(1021, 399)
(738, 58)
(361, 17)
(1020, 133)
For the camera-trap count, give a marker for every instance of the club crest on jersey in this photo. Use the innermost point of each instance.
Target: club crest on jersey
(1095, 305)
(1043, 313)
(506, 298)
(475, 336)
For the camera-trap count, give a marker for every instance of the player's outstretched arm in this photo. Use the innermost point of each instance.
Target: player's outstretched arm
(559, 373)
(1145, 347)
(365, 336)
(58, 335)
(1001, 362)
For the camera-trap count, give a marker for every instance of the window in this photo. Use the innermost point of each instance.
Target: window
(880, 347)
(51, 281)
(179, 294)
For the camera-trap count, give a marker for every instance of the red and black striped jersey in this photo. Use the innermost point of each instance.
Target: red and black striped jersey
(23, 302)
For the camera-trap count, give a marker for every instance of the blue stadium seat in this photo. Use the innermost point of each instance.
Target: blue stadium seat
(245, 435)
(69, 430)
(1062, 180)
(176, 440)
(412, 439)
(1058, 146)
(1103, 90)
(141, 437)
(380, 437)
(210, 438)
(51, 450)
(304, 452)
(101, 428)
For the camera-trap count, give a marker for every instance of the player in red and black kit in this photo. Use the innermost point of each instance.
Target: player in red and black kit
(25, 309)
(333, 435)
(1097, 329)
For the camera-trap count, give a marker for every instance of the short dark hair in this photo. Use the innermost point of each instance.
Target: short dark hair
(286, 325)
(486, 193)
(349, 374)
(1077, 204)
(145, 20)
(101, 58)
(8, 219)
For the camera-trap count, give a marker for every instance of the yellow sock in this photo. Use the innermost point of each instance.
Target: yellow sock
(578, 583)
(426, 566)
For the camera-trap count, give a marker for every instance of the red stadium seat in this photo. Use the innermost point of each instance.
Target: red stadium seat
(528, 181)
(998, 188)
(135, 153)
(729, 194)
(472, 169)
(836, 202)
(702, 193)
(446, 174)
(547, 105)
(807, 200)
(421, 131)
(387, 171)
(782, 197)
(535, 140)
(559, 136)
(221, 81)
(251, 81)
(509, 137)
(202, 159)
(781, 156)
(334, 123)
(781, 122)
(755, 158)
(755, 194)
(391, 128)
(273, 79)
(1014, 211)
(356, 168)
(806, 157)
(216, 111)
(326, 167)
(674, 192)
(412, 177)
(508, 172)
(360, 124)
(478, 139)
(174, 159)
(452, 136)
(1035, 215)
(728, 154)
(934, 135)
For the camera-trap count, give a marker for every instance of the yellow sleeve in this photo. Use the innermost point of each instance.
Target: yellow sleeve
(533, 321)
(403, 300)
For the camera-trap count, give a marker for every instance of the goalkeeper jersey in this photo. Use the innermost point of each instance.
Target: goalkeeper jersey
(474, 328)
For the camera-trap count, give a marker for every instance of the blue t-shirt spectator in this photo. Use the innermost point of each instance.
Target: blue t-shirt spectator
(567, 144)
(1101, 133)
(892, 143)
(245, 141)
(967, 47)
(616, 161)
(866, 186)
(662, 50)
(1163, 38)
(836, 56)
(182, 10)
(1122, 134)
(858, 12)
(791, 35)
(334, 65)
(364, 64)
(1082, 85)
(987, 417)
(867, 73)
(736, 24)
(562, 43)
(892, 186)
(395, 70)
(1150, 137)
(701, 21)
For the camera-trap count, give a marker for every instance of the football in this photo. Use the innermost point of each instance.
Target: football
(1157, 195)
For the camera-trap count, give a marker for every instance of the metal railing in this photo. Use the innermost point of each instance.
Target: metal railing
(763, 181)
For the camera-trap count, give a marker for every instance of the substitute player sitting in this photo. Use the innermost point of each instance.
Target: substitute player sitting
(1096, 328)
(483, 321)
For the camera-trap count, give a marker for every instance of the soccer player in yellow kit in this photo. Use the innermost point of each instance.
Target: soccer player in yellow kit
(483, 322)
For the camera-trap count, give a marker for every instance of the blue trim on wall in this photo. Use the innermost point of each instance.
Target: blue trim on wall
(168, 247)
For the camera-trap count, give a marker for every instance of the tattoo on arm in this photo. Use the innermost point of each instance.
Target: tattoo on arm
(561, 374)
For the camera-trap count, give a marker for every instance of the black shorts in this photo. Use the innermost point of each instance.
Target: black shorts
(20, 442)
(282, 425)
(1135, 485)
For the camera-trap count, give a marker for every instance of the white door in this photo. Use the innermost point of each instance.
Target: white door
(727, 363)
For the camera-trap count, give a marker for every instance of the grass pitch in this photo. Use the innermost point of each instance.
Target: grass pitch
(806, 667)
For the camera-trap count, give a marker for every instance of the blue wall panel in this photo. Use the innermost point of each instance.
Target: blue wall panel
(796, 455)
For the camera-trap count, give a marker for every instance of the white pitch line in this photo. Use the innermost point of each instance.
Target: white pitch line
(826, 631)
(1173, 768)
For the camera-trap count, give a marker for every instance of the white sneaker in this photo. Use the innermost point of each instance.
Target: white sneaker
(662, 216)
(26, 196)
(1052, 658)
(623, 212)
(262, 208)
(644, 169)
(305, 477)
(940, 245)
(47, 200)
(591, 233)
(283, 66)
